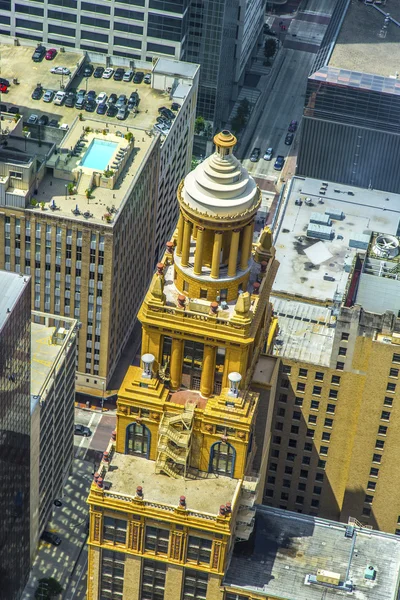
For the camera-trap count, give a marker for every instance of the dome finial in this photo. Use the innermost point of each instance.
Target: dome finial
(224, 141)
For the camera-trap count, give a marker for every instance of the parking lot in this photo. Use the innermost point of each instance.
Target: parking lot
(16, 62)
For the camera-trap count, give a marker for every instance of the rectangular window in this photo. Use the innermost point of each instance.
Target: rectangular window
(287, 369)
(340, 366)
(199, 550)
(281, 412)
(282, 397)
(333, 394)
(301, 387)
(335, 379)
(376, 458)
(298, 401)
(271, 480)
(292, 443)
(328, 423)
(310, 433)
(303, 372)
(319, 477)
(308, 447)
(285, 383)
(203, 293)
(294, 429)
(156, 540)
(286, 483)
(374, 472)
(323, 450)
(326, 436)
(344, 337)
(368, 499)
(385, 415)
(288, 470)
(114, 530)
(306, 460)
(299, 499)
(290, 456)
(391, 387)
(276, 439)
(388, 401)
(394, 373)
(379, 444)
(112, 574)
(396, 358)
(319, 376)
(382, 430)
(153, 580)
(284, 496)
(317, 490)
(371, 485)
(317, 390)
(330, 408)
(303, 473)
(314, 503)
(366, 511)
(296, 415)
(321, 464)
(342, 351)
(312, 419)
(195, 585)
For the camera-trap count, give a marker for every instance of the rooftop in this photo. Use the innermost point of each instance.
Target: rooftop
(286, 547)
(362, 47)
(311, 268)
(202, 495)
(12, 286)
(176, 67)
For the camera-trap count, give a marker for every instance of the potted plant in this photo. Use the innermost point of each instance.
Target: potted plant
(42, 205)
(129, 136)
(108, 217)
(108, 173)
(71, 188)
(33, 202)
(88, 193)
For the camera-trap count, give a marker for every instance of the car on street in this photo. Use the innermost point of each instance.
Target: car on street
(101, 108)
(48, 96)
(60, 71)
(88, 70)
(70, 100)
(51, 538)
(255, 155)
(147, 78)
(279, 162)
(112, 99)
(33, 119)
(112, 110)
(50, 54)
(121, 101)
(38, 54)
(268, 154)
(108, 73)
(102, 97)
(118, 74)
(37, 93)
(59, 98)
(292, 126)
(122, 113)
(138, 78)
(289, 138)
(98, 72)
(53, 123)
(44, 119)
(82, 430)
(128, 75)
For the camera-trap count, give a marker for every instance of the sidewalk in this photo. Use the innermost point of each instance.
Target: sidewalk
(69, 523)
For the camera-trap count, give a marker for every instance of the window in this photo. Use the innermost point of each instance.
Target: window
(298, 401)
(340, 366)
(279, 425)
(281, 412)
(366, 512)
(288, 470)
(301, 487)
(388, 401)
(285, 383)
(323, 450)
(368, 499)
(269, 493)
(342, 351)
(271, 480)
(374, 472)
(203, 293)
(114, 530)
(276, 439)
(333, 394)
(296, 415)
(299, 499)
(153, 580)
(314, 503)
(112, 574)
(294, 429)
(229, 596)
(292, 443)
(330, 408)
(195, 585)
(391, 387)
(274, 453)
(301, 387)
(222, 459)
(394, 373)
(335, 379)
(303, 372)
(312, 419)
(321, 464)
(328, 422)
(273, 466)
(385, 416)
(308, 447)
(382, 430)
(156, 540)
(317, 390)
(376, 458)
(344, 337)
(303, 473)
(379, 444)
(306, 460)
(192, 355)
(326, 436)
(319, 376)
(310, 433)
(319, 477)
(137, 440)
(287, 369)
(284, 496)
(371, 485)
(282, 397)
(199, 550)
(396, 358)
(286, 483)
(317, 489)
(314, 405)
(290, 456)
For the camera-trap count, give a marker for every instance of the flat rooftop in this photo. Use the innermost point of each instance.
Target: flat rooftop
(43, 355)
(202, 495)
(306, 331)
(315, 269)
(11, 286)
(286, 547)
(361, 48)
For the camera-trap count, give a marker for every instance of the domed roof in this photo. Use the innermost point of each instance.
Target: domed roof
(220, 185)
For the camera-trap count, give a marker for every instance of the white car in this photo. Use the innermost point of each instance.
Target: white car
(108, 73)
(33, 119)
(268, 154)
(102, 97)
(128, 75)
(60, 71)
(147, 78)
(59, 98)
(162, 128)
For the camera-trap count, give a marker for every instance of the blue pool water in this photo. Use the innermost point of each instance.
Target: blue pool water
(99, 154)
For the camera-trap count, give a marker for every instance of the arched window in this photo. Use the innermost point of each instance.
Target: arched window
(137, 440)
(222, 459)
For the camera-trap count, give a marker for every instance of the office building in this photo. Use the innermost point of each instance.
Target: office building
(178, 481)
(15, 427)
(334, 444)
(219, 35)
(91, 235)
(350, 130)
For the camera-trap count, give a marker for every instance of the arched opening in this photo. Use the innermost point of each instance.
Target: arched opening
(137, 440)
(222, 459)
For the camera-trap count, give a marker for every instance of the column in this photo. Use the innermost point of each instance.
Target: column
(198, 255)
(233, 253)
(246, 246)
(181, 224)
(216, 256)
(207, 374)
(187, 234)
(175, 368)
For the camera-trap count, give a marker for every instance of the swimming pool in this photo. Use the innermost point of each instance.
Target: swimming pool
(99, 154)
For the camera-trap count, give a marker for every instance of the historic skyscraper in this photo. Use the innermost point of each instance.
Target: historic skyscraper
(177, 484)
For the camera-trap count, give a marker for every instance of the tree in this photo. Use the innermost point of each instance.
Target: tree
(199, 125)
(269, 48)
(242, 114)
(48, 588)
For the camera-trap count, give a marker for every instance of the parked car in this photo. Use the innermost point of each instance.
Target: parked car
(175, 106)
(37, 93)
(59, 98)
(3, 88)
(14, 110)
(102, 97)
(51, 538)
(53, 123)
(164, 120)
(118, 74)
(81, 94)
(122, 113)
(101, 108)
(38, 54)
(279, 162)
(121, 101)
(268, 154)
(80, 103)
(166, 112)
(70, 100)
(90, 105)
(4, 82)
(88, 70)
(128, 75)
(255, 155)
(108, 73)
(293, 126)
(44, 119)
(50, 54)
(147, 78)
(3, 108)
(289, 138)
(33, 119)
(112, 110)
(60, 71)
(138, 78)
(48, 96)
(133, 100)
(98, 72)
(112, 99)
(162, 128)
(82, 430)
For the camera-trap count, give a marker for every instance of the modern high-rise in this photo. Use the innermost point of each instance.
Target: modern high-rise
(220, 35)
(90, 237)
(15, 428)
(334, 448)
(178, 481)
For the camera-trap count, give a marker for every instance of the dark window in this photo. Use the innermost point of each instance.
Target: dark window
(279, 425)
(342, 351)
(284, 496)
(298, 401)
(340, 366)
(374, 472)
(376, 458)
(335, 379)
(368, 499)
(286, 369)
(195, 585)
(159, 48)
(286, 483)
(137, 439)
(94, 36)
(128, 28)
(163, 27)
(319, 477)
(153, 580)
(379, 444)
(310, 433)
(333, 394)
(274, 453)
(317, 390)
(292, 443)
(303, 372)
(396, 358)
(326, 436)
(296, 415)
(288, 470)
(199, 550)
(222, 459)
(285, 383)
(319, 376)
(302, 487)
(344, 336)
(64, 3)
(30, 10)
(299, 499)
(174, 6)
(391, 387)
(156, 540)
(308, 446)
(388, 401)
(367, 512)
(328, 422)
(294, 429)
(306, 460)
(93, 22)
(323, 450)
(312, 418)
(23, 23)
(281, 412)
(271, 480)
(282, 397)
(382, 430)
(61, 30)
(114, 530)
(303, 473)
(273, 466)
(371, 485)
(95, 8)
(193, 353)
(290, 456)
(385, 415)
(301, 387)
(269, 493)
(394, 373)
(276, 439)
(129, 15)
(112, 574)
(314, 503)
(330, 408)
(321, 464)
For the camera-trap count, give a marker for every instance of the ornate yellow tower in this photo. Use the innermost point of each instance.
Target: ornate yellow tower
(177, 484)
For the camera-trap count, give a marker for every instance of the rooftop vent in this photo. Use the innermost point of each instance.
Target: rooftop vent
(386, 246)
(370, 573)
(147, 360)
(234, 380)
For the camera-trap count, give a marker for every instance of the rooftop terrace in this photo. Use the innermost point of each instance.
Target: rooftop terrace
(360, 45)
(286, 547)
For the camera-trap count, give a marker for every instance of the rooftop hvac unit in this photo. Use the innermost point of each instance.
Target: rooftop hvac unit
(338, 215)
(320, 232)
(370, 573)
(320, 219)
(386, 246)
(324, 576)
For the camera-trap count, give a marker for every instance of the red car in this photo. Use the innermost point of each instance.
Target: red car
(50, 54)
(3, 88)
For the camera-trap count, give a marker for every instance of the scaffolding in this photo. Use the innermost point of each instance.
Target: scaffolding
(174, 442)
